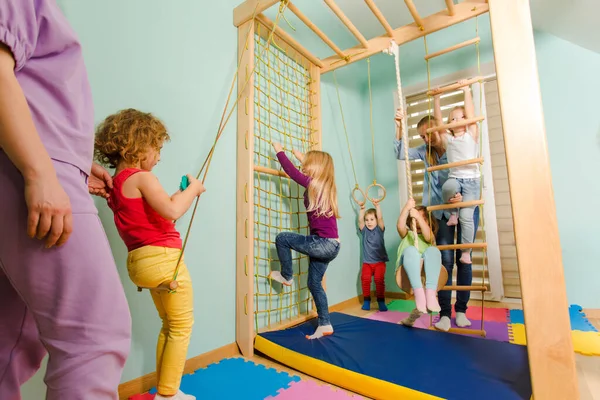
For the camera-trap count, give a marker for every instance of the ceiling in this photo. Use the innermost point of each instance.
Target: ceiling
(574, 20)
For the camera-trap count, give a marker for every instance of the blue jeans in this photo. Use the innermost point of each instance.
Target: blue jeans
(320, 252)
(464, 276)
(470, 190)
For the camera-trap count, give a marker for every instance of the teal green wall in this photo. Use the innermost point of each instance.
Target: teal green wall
(570, 86)
(177, 61)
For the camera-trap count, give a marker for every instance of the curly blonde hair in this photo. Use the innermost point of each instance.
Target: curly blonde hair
(126, 136)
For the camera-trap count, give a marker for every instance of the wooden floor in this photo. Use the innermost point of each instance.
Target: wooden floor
(588, 368)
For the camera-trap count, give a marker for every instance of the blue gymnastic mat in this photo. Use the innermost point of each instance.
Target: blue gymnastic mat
(438, 363)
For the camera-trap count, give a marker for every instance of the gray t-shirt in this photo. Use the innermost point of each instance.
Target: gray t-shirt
(373, 245)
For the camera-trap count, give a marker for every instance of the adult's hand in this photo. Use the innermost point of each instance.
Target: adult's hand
(99, 181)
(49, 210)
(456, 199)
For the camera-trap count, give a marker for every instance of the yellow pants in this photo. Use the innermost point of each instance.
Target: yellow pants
(150, 266)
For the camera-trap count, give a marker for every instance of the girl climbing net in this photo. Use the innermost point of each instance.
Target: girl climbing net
(323, 244)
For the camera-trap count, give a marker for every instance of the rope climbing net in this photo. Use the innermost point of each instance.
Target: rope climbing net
(283, 112)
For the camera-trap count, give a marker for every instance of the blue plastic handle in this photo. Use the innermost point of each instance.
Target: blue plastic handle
(184, 183)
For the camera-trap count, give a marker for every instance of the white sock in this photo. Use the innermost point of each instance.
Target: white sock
(179, 396)
(276, 276)
(443, 324)
(461, 320)
(412, 318)
(322, 330)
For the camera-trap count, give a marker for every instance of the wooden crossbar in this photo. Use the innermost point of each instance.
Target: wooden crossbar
(462, 246)
(244, 12)
(415, 14)
(290, 40)
(450, 6)
(270, 171)
(340, 14)
(466, 288)
(458, 124)
(315, 29)
(462, 204)
(452, 48)
(380, 17)
(455, 86)
(466, 331)
(455, 164)
(464, 10)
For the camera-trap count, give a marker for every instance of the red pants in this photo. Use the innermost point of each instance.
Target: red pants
(368, 270)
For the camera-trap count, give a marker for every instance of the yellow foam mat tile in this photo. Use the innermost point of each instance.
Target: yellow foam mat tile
(586, 343)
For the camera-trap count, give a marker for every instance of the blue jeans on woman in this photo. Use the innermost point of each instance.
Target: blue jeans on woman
(320, 252)
(464, 273)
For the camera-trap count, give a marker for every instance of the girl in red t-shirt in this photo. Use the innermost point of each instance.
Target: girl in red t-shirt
(130, 141)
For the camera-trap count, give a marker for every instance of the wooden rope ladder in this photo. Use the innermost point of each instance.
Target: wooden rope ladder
(478, 120)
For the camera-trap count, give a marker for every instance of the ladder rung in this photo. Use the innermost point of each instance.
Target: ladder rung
(456, 85)
(456, 164)
(458, 124)
(466, 288)
(462, 246)
(467, 331)
(462, 204)
(452, 48)
(270, 171)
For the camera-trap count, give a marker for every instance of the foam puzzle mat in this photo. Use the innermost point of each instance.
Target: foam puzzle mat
(584, 342)
(308, 389)
(494, 330)
(232, 378)
(255, 381)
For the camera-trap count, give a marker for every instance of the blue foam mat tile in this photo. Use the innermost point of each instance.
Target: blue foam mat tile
(579, 322)
(234, 379)
(516, 317)
(576, 317)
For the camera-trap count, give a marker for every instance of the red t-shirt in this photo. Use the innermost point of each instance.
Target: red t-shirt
(137, 223)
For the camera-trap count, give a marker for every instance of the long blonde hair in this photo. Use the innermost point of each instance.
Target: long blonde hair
(429, 121)
(322, 192)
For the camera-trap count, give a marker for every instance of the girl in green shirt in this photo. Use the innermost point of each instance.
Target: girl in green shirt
(411, 257)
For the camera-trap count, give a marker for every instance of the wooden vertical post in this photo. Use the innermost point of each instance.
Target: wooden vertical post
(245, 194)
(315, 125)
(549, 345)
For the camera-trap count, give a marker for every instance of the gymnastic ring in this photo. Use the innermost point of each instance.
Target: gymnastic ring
(356, 188)
(373, 200)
